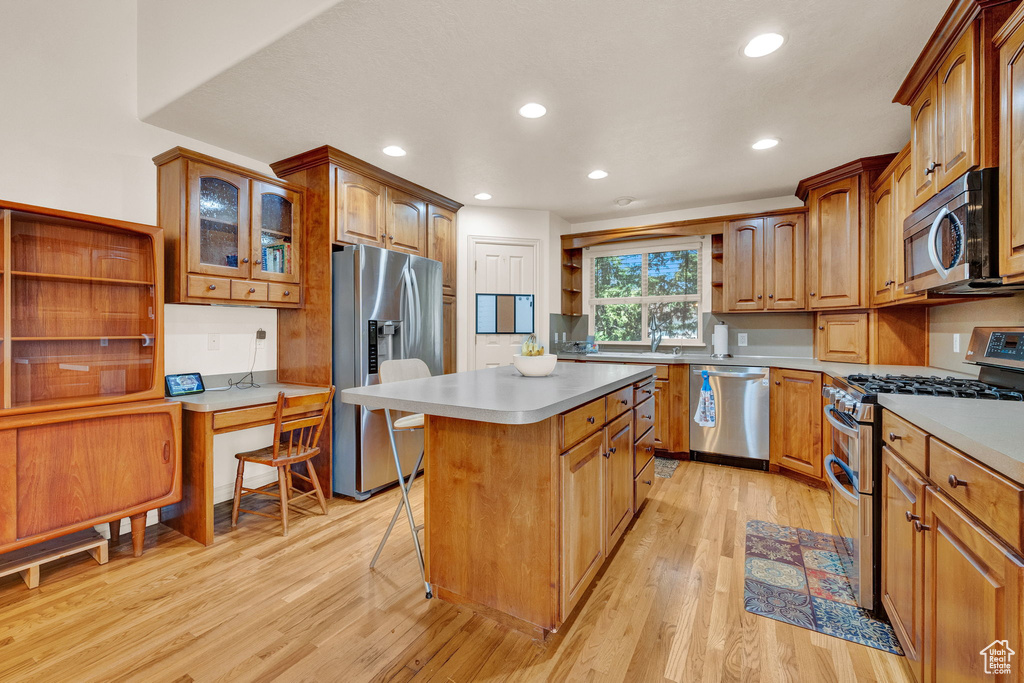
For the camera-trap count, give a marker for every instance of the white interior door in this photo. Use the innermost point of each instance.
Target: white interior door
(501, 269)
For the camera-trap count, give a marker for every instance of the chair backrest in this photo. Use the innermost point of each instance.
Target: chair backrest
(400, 370)
(298, 422)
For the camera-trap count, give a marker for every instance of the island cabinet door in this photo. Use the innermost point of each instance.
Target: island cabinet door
(583, 540)
(972, 601)
(618, 478)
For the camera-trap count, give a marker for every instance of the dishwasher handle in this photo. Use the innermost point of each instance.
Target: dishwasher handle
(734, 375)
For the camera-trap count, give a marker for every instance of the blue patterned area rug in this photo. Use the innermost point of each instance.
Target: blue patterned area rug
(796, 576)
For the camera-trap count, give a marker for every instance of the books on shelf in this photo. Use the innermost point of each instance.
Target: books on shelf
(277, 258)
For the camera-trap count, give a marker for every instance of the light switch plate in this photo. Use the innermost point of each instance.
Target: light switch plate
(261, 344)
(956, 343)
(741, 338)
(213, 342)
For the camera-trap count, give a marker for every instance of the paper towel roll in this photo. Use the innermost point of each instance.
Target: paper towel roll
(720, 340)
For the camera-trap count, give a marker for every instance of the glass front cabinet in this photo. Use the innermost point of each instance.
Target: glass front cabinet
(233, 236)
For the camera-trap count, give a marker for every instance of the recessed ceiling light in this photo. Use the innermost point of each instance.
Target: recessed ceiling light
(394, 151)
(532, 110)
(597, 175)
(764, 44)
(624, 201)
(766, 143)
(482, 196)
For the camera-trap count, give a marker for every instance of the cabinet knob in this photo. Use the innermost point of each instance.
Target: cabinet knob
(777, 382)
(213, 286)
(920, 527)
(813, 293)
(911, 516)
(650, 448)
(771, 296)
(252, 290)
(893, 436)
(256, 262)
(931, 168)
(648, 482)
(954, 482)
(758, 296)
(624, 402)
(612, 449)
(245, 260)
(646, 417)
(287, 293)
(590, 420)
(821, 327)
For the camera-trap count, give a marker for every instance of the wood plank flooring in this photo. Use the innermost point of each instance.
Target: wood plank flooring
(259, 607)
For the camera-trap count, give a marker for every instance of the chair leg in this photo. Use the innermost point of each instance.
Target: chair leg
(398, 508)
(115, 531)
(238, 494)
(405, 500)
(282, 484)
(316, 485)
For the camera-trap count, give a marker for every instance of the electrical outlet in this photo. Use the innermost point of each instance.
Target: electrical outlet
(261, 344)
(956, 343)
(213, 342)
(741, 339)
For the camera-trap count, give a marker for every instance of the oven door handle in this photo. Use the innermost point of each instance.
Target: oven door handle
(840, 427)
(933, 254)
(831, 459)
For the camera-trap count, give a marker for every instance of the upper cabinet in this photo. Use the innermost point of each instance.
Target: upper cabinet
(892, 199)
(952, 92)
(442, 246)
(359, 212)
(233, 236)
(1011, 171)
(763, 263)
(406, 223)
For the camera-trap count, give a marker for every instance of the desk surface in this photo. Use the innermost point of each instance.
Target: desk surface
(212, 401)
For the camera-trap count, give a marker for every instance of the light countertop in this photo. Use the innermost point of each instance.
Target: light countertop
(500, 395)
(991, 432)
(211, 400)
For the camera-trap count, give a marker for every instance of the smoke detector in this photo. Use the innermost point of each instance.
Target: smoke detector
(624, 201)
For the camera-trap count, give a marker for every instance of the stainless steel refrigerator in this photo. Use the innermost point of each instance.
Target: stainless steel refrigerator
(386, 305)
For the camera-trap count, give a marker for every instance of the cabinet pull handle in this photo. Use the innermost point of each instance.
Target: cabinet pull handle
(931, 168)
(624, 402)
(611, 450)
(590, 420)
(646, 417)
(245, 260)
(893, 436)
(920, 527)
(954, 482)
(252, 290)
(213, 286)
(648, 482)
(167, 452)
(911, 516)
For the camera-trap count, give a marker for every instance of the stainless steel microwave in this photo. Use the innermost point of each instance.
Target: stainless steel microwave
(950, 244)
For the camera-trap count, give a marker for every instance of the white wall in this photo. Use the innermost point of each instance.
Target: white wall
(70, 139)
(752, 206)
(960, 320)
(476, 221)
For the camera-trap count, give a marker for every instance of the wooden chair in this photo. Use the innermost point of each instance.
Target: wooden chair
(297, 426)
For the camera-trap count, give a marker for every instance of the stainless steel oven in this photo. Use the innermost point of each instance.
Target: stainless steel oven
(852, 474)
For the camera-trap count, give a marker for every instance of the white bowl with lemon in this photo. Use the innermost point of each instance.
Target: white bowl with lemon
(532, 361)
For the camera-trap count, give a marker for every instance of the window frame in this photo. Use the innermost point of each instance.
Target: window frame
(645, 247)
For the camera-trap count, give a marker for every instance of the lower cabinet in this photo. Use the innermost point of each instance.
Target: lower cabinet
(662, 413)
(65, 471)
(448, 334)
(795, 421)
(618, 477)
(583, 540)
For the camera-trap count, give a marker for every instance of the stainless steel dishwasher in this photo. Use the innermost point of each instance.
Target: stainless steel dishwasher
(740, 434)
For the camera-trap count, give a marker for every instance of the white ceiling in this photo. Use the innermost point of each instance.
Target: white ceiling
(656, 92)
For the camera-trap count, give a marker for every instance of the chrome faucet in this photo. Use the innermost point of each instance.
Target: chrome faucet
(656, 334)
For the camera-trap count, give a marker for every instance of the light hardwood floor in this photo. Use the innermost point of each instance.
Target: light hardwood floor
(257, 606)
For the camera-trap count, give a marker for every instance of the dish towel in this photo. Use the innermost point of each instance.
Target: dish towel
(706, 414)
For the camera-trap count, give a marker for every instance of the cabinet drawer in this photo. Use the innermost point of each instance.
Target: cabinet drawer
(996, 501)
(618, 402)
(643, 416)
(643, 451)
(209, 287)
(661, 371)
(905, 439)
(643, 392)
(243, 290)
(642, 485)
(284, 293)
(583, 421)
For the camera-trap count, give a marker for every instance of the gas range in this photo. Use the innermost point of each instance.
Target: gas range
(953, 387)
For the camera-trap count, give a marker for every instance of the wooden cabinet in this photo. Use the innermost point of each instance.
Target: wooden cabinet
(796, 414)
(618, 478)
(662, 415)
(406, 223)
(763, 263)
(883, 242)
(923, 144)
(229, 232)
(448, 322)
(842, 337)
(834, 246)
(888, 336)
(583, 538)
(972, 593)
(1011, 149)
(360, 209)
(902, 588)
(956, 148)
(442, 234)
(903, 190)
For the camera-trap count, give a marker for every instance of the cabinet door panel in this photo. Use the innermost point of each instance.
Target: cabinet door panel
(834, 245)
(73, 472)
(359, 215)
(795, 433)
(903, 191)
(883, 208)
(662, 414)
(923, 124)
(903, 554)
(218, 221)
(276, 233)
(1011, 157)
(785, 250)
(843, 337)
(448, 322)
(957, 133)
(618, 462)
(583, 540)
(406, 223)
(744, 265)
(972, 590)
(442, 241)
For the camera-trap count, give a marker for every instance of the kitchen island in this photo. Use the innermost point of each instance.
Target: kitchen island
(529, 481)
